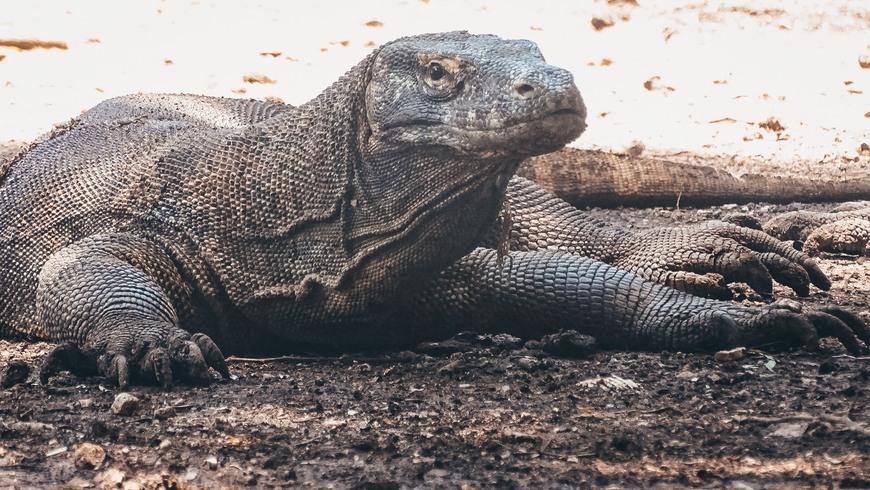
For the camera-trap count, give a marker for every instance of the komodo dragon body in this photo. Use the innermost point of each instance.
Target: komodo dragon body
(154, 231)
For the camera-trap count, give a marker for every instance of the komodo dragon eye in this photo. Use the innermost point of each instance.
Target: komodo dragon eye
(436, 71)
(443, 74)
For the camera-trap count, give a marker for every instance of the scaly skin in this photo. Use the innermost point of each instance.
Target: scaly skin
(845, 230)
(160, 228)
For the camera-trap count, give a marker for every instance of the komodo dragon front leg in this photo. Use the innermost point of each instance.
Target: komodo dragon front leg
(550, 280)
(530, 294)
(699, 259)
(113, 301)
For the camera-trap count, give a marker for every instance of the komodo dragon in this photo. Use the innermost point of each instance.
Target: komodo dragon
(154, 231)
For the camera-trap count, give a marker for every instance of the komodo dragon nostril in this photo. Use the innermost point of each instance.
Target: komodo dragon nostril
(524, 89)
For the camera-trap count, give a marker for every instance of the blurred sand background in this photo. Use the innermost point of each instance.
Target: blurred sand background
(781, 81)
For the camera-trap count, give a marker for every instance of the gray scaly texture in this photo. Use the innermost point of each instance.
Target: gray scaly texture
(156, 230)
(845, 230)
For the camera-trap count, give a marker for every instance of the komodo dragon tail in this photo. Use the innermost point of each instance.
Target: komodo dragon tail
(596, 178)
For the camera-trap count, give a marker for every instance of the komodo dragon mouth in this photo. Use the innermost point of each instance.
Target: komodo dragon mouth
(523, 138)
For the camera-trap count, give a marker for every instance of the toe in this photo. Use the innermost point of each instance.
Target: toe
(115, 367)
(744, 266)
(156, 365)
(853, 322)
(787, 273)
(828, 325)
(212, 353)
(188, 362)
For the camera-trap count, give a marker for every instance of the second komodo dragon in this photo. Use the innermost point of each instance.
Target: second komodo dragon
(153, 231)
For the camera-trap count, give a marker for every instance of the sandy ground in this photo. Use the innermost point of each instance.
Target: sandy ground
(778, 83)
(696, 77)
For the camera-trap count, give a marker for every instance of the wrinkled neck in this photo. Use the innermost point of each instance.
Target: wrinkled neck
(418, 210)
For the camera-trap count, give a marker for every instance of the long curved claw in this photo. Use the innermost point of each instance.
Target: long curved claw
(212, 353)
(156, 365)
(818, 278)
(785, 323)
(744, 266)
(796, 329)
(115, 367)
(188, 361)
(856, 326)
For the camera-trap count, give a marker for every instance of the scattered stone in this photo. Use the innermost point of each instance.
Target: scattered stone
(730, 355)
(528, 363)
(686, 374)
(437, 473)
(790, 430)
(125, 404)
(89, 456)
(211, 462)
(111, 478)
(457, 363)
(86, 403)
(739, 485)
(164, 413)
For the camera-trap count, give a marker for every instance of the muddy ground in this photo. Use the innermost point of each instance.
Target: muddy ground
(473, 412)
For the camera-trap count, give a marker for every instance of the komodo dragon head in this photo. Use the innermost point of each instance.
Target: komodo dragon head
(481, 96)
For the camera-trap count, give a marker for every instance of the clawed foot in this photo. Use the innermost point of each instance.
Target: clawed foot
(846, 231)
(704, 259)
(184, 358)
(785, 323)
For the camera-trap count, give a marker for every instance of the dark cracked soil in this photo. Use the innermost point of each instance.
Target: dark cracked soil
(473, 412)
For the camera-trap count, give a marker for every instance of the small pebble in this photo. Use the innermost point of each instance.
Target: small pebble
(164, 413)
(730, 355)
(89, 456)
(14, 373)
(125, 404)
